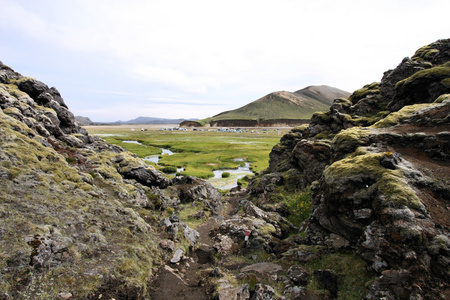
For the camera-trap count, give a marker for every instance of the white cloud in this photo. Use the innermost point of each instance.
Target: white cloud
(174, 79)
(232, 51)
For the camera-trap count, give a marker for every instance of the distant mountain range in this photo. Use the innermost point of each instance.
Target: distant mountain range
(138, 120)
(278, 107)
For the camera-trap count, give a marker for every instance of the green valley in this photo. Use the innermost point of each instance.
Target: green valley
(198, 152)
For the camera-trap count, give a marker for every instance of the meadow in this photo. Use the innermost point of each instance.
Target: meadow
(198, 152)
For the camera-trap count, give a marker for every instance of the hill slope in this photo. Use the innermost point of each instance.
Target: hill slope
(77, 215)
(378, 169)
(282, 105)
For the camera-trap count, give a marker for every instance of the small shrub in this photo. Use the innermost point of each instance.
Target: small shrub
(170, 211)
(226, 174)
(169, 169)
(299, 207)
(323, 135)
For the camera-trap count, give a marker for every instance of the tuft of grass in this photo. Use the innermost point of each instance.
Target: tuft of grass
(299, 207)
(225, 174)
(169, 169)
(351, 270)
(188, 209)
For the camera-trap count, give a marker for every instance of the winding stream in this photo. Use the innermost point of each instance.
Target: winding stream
(217, 181)
(155, 158)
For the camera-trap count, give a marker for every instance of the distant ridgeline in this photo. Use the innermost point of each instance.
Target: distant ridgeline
(276, 109)
(139, 120)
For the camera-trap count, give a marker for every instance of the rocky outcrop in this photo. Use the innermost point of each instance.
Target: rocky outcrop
(75, 209)
(379, 170)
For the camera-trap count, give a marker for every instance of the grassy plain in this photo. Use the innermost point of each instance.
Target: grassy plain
(199, 152)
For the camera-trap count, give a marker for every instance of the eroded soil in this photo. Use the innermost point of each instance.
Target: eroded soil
(188, 279)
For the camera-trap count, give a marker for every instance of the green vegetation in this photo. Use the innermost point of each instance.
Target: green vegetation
(278, 105)
(391, 183)
(13, 90)
(398, 117)
(225, 174)
(425, 53)
(348, 140)
(369, 89)
(325, 116)
(169, 169)
(81, 230)
(243, 182)
(354, 278)
(437, 73)
(442, 98)
(199, 152)
(299, 206)
(187, 211)
(142, 149)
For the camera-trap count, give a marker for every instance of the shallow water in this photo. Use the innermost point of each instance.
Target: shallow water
(132, 142)
(230, 182)
(155, 158)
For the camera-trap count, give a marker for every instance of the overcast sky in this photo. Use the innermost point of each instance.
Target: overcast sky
(117, 60)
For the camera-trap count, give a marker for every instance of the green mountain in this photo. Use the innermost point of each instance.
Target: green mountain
(284, 105)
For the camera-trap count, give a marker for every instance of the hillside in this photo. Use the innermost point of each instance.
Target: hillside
(82, 121)
(280, 107)
(378, 169)
(78, 217)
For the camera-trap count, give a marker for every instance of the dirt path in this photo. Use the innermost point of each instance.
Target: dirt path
(187, 279)
(437, 205)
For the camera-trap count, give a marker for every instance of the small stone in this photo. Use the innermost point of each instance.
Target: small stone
(174, 219)
(167, 245)
(64, 295)
(263, 292)
(177, 256)
(298, 275)
(216, 273)
(364, 213)
(338, 241)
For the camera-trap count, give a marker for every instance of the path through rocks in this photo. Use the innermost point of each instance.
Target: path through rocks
(187, 279)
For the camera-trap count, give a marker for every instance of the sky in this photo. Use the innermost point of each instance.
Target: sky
(117, 60)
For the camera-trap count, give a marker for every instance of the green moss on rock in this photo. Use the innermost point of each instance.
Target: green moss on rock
(390, 183)
(437, 73)
(425, 53)
(59, 231)
(348, 140)
(400, 116)
(442, 98)
(369, 89)
(325, 116)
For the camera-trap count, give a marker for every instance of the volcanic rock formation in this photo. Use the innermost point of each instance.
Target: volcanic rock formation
(378, 166)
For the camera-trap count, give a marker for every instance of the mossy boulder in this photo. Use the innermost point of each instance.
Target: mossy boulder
(422, 87)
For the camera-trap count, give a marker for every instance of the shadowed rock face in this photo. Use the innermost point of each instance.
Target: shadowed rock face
(379, 170)
(72, 207)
